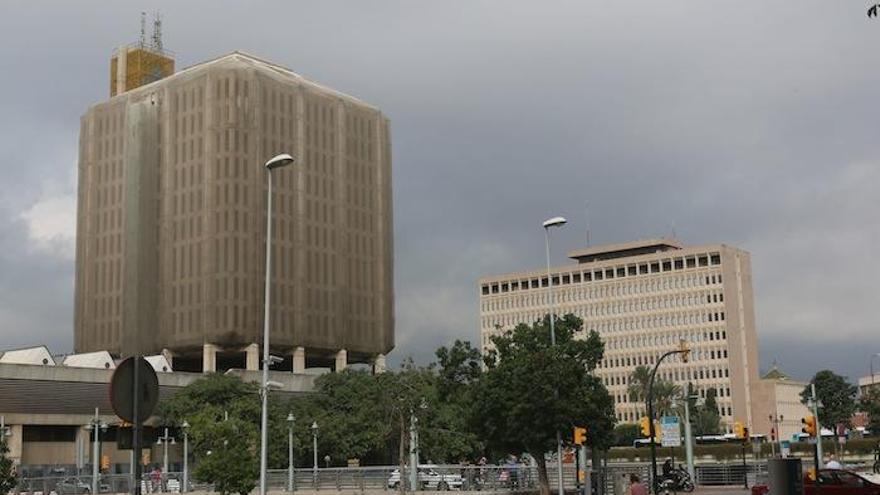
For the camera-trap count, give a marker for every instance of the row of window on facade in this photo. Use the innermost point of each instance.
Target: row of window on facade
(682, 375)
(631, 361)
(606, 291)
(661, 321)
(606, 273)
(633, 416)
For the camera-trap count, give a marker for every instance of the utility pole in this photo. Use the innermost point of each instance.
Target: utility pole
(413, 453)
(815, 406)
(688, 437)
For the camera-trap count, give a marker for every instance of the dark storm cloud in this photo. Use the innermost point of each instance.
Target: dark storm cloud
(749, 124)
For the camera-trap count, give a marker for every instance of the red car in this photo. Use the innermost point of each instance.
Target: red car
(832, 482)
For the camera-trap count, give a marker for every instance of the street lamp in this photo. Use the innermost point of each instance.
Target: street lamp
(776, 419)
(185, 428)
(315, 450)
(553, 222)
(872, 368)
(290, 420)
(278, 161)
(97, 427)
(164, 440)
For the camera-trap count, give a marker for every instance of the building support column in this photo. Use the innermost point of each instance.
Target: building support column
(209, 358)
(14, 442)
(252, 357)
(299, 360)
(379, 364)
(83, 444)
(341, 361)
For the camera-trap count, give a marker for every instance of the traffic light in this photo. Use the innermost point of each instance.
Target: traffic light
(580, 435)
(746, 437)
(645, 424)
(685, 350)
(739, 430)
(809, 425)
(105, 463)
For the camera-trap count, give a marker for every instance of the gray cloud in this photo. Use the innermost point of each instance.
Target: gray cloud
(745, 123)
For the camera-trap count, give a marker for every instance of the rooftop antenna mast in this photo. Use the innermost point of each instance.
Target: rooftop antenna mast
(157, 31)
(587, 211)
(143, 40)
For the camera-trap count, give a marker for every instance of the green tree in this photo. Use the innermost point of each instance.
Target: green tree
(706, 418)
(447, 431)
(626, 434)
(408, 393)
(345, 407)
(8, 478)
(532, 390)
(665, 394)
(837, 395)
(665, 391)
(226, 452)
(638, 384)
(224, 417)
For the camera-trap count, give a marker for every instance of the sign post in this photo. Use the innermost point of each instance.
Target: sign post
(670, 431)
(134, 394)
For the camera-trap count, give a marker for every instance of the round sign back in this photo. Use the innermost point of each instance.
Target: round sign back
(122, 390)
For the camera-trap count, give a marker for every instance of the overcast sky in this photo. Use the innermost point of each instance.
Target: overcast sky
(750, 124)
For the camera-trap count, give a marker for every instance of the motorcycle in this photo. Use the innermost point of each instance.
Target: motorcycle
(677, 480)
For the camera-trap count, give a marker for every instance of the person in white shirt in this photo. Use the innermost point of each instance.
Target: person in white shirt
(833, 464)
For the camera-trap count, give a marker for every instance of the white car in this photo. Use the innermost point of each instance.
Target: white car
(430, 479)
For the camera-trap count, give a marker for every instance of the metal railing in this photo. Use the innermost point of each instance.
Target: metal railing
(612, 479)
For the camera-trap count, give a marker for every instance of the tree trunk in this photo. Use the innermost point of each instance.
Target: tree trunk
(543, 479)
(402, 459)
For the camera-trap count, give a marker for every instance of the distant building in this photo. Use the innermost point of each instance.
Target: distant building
(778, 396)
(868, 382)
(642, 297)
(171, 217)
(46, 402)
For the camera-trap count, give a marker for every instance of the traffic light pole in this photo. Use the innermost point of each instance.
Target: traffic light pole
(650, 400)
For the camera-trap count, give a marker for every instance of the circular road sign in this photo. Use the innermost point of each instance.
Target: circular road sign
(122, 390)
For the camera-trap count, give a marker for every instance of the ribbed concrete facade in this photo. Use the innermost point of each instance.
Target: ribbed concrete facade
(171, 220)
(642, 297)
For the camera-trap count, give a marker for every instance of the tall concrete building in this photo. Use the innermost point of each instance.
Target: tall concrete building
(171, 220)
(642, 297)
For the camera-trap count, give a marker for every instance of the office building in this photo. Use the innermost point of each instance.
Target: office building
(642, 297)
(778, 405)
(172, 211)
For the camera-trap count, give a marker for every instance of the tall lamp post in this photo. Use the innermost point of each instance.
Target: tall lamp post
(96, 426)
(164, 440)
(278, 161)
(185, 428)
(290, 420)
(554, 222)
(315, 451)
(872, 368)
(688, 434)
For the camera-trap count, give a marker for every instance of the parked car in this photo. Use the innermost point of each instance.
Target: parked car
(430, 478)
(832, 482)
(72, 486)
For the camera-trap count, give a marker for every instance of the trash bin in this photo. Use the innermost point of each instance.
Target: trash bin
(784, 476)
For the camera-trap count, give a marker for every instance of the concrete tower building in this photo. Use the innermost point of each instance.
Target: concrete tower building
(171, 220)
(642, 297)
